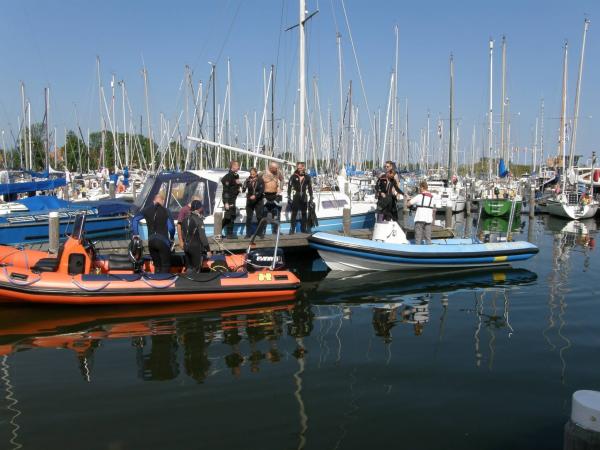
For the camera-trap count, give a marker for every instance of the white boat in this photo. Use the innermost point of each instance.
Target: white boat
(394, 252)
(572, 205)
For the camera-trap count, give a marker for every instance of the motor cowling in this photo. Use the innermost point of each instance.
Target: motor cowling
(263, 258)
(136, 249)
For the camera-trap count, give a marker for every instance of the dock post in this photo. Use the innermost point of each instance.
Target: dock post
(582, 431)
(448, 217)
(405, 204)
(532, 202)
(468, 206)
(111, 189)
(347, 220)
(133, 193)
(218, 223)
(53, 232)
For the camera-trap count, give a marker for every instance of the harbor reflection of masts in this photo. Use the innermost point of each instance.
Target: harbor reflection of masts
(299, 353)
(12, 404)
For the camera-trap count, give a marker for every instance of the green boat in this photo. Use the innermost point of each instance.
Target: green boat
(500, 207)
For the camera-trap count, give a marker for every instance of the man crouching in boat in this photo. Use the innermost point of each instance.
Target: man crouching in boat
(195, 243)
(161, 231)
(426, 204)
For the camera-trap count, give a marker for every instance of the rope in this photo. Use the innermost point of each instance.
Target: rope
(19, 283)
(147, 281)
(87, 289)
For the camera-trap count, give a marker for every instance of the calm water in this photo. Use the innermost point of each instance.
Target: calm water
(472, 360)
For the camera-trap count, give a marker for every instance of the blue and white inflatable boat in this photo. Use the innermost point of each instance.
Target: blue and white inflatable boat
(353, 254)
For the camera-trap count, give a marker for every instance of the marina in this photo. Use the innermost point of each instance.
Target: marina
(342, 232)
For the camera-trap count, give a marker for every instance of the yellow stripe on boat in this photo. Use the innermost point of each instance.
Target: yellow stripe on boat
(500, 258)
(499, 276)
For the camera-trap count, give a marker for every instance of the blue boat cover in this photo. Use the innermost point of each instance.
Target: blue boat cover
(43, 203)
(29, 186)
(502, 170)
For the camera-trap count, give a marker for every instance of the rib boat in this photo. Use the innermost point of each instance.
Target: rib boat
(354, 254)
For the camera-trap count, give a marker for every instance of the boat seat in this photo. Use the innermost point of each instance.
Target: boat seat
(120, 262)
(46, 265)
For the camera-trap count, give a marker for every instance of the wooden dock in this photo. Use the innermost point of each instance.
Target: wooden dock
(296, 241)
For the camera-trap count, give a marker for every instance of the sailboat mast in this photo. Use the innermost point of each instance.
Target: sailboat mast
(490, 110)
(450, 168)
(103, 137)
(503, 109)
(563, 112)
(586, 25)
(302, 79)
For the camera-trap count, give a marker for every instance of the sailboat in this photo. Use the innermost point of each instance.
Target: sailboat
(568, 200)
(501, 196)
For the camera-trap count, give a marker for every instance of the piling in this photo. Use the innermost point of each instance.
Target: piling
(582, 431)
(448, 217)
(218, 223)
(53, 232)
(347, 220)
(532, 202)
(111, 189)
(133, 193)
(468, 206)
(405, 204)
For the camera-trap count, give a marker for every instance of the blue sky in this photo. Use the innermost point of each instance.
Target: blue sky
(55, 43)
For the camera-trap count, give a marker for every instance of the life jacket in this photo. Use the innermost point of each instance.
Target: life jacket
(423, 196)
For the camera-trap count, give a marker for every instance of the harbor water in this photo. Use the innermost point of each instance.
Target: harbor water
(472, 360)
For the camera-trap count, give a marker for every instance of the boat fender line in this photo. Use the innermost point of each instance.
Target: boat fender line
(89, 289)
(155, 286)
(216, 275)
(17, 250)
(19, 283)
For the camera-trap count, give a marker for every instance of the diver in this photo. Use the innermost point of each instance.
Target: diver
(300, 194)
(273, 182)
(231, 188)
(195, 242)
(254, 188)
(386, 191)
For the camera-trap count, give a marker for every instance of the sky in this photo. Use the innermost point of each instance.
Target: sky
(54, 43)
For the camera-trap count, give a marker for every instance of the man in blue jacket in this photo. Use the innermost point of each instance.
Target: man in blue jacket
(161, 231)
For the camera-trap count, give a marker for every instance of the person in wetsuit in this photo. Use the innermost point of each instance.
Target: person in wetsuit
(300, 193)
(386, 190)
(161, 231)
(273, 182)
(254, 188)
(231, 188)
(195, 242)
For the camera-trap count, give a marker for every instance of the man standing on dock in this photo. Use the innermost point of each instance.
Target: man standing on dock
(231, 188)
(161, 232)
(300, 194)
(273, 182)
(426, 204)
(254, 188)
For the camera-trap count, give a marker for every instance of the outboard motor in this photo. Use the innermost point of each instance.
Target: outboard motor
(263, 258)
(136, 251)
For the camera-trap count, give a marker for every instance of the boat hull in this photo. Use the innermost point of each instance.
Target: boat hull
(573, 212)
(500, 207)
(351, 254)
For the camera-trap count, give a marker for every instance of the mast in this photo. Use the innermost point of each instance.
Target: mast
(502, 112)
(450, 162)
(586, 24)
(563, 112)
(150, 143)
(338, 39)
(490, 110)
(47, 115)
(23, 128)
(103, 137)
(272, 110)
(542, 131)
(302, 78)
(122, 83)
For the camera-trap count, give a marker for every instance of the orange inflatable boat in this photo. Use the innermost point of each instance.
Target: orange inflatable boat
(79, 276)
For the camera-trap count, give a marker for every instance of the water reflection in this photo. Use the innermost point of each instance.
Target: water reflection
(569, 239)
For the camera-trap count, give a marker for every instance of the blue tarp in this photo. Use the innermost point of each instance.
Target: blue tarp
(43, 203)
(502, 170)
(50, 203)
(30, 186)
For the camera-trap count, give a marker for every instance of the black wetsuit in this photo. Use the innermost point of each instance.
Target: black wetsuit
(386, 204)
(231, 189)
(161, 231)
(195, 242)
(253, 186)
(300, 192)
